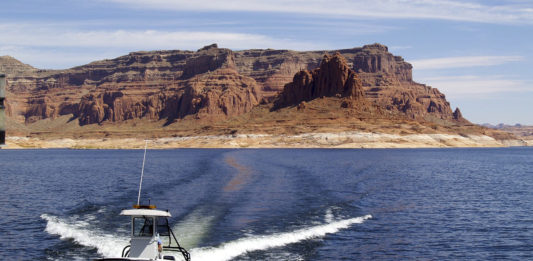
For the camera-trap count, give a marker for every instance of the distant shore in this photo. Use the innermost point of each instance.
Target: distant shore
(307, 140)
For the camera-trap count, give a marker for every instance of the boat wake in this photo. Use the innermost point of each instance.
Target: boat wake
(112, 245)
(238, 247)
(81, 233)
(193, 228)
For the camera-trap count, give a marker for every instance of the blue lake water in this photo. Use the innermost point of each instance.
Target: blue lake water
(274, 204)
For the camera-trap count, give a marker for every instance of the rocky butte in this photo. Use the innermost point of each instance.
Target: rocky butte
(217, 91)
(333, 78)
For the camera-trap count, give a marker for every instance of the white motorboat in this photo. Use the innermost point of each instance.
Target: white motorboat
(151, 236)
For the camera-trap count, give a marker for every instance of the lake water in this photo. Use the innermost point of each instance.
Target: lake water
(274, 204)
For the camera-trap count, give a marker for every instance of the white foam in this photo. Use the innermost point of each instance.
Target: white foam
(106, 245)
(238, 247)
(112, 245)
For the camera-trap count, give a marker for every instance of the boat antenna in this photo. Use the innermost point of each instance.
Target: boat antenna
(142, 172)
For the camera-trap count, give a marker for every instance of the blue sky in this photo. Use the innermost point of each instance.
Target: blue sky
(479, 53)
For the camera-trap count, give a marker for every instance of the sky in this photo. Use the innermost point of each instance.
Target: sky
(479, 53)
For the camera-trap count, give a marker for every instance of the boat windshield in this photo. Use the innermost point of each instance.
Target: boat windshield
(162, 227)
(143, 226)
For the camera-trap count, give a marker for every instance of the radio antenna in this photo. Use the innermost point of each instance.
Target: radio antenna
(142, 173)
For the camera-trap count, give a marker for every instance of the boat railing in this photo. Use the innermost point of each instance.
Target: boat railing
(126, 251)
(178, 248)
(182, 250)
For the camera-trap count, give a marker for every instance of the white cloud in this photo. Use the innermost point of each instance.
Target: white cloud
(43, 36)
(53, 46)
(56, 59)
(476, 86)
(463, 61)
(399, 9)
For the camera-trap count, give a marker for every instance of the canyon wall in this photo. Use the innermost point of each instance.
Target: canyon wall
(216, 83)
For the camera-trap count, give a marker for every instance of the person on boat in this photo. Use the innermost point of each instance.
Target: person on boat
(159, 245)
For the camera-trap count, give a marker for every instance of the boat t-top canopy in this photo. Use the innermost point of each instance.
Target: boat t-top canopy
(145, 212)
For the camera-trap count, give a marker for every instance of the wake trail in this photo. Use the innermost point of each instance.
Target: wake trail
(238, 247)
(193, 228)
(79, 232)
(112, 245)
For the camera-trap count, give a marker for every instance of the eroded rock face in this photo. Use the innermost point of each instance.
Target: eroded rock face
(381, 85)
(458, 116)
(221, 93)
(332, 78)
(215, 82)
(272, 69)
(375, 58)
(207, 59)
(153, 85)
(387, 79)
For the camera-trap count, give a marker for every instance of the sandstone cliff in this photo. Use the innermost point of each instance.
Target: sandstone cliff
(387, 79)
(216, 83)
(332, 78)
(163, 85)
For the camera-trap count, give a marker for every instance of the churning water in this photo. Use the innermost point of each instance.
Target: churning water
(273, 204)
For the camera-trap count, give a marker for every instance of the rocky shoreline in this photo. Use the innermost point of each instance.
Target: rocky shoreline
(308, 140)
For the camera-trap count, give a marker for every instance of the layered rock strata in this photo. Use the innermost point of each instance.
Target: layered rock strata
(153, 85)
(213, 82)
